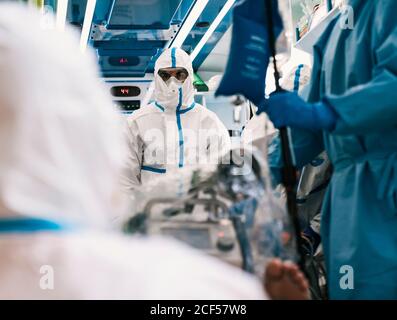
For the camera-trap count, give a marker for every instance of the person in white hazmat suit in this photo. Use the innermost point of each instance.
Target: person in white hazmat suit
(62, 155)
(172, 131)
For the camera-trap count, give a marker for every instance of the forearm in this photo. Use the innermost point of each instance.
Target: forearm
(367, 108)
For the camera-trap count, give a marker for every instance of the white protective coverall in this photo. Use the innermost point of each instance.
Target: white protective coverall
(62, 151)
(172, 131)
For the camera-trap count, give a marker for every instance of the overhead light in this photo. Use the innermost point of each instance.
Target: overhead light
(85, 32)
(62, 10)
(228, 5)
(189, 23)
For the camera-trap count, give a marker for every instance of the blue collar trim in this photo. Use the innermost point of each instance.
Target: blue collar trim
(178, 108)
(188, 109)
(159, 106)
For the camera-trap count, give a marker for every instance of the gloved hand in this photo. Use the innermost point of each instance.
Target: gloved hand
(287, 109)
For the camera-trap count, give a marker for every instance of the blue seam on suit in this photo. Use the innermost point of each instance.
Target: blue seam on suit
(297, 77)
(180, 132)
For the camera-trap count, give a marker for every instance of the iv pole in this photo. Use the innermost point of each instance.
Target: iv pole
(289, 171)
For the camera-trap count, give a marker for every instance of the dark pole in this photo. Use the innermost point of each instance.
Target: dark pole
(289, 170)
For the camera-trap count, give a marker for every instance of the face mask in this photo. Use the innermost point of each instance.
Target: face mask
(174, 85)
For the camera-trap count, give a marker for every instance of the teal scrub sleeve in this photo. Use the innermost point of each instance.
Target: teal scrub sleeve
(371, 107)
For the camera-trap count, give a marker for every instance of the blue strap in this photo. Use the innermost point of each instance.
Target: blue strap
(297, 77)
(173, 57)
(152, 169)
(11, 225)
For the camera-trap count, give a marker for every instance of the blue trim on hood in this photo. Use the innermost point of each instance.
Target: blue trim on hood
(173, 58)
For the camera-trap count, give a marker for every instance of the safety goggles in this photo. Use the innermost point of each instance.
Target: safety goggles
(180, 74)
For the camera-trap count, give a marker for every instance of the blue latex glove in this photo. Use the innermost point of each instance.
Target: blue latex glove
(287, 109)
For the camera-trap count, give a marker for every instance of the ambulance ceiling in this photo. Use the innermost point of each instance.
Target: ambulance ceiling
(128, 35)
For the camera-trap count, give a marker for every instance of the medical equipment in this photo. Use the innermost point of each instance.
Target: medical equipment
(211, 231)
(220, 212)
(127, 94)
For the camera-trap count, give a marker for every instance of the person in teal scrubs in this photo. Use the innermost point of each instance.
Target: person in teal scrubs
(351, 112)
